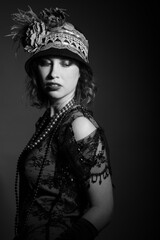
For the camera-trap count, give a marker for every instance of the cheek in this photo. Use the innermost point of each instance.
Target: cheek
(74, 80)
(42, 73)
(41, 79)
(74, 76)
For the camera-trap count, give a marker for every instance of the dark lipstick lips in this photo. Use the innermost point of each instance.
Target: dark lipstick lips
(53, 84)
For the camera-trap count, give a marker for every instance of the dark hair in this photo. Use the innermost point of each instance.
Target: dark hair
(85, 90)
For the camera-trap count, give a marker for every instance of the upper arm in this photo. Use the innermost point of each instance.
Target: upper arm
(82, 127)
(89, 154)
(101, 199)
(100, 194)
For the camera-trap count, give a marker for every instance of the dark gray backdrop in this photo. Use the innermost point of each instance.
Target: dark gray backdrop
(123, 53)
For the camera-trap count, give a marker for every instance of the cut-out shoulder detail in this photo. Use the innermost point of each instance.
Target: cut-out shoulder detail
(82, 127)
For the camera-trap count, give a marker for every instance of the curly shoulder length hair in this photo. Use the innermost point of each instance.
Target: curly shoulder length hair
(85, 90)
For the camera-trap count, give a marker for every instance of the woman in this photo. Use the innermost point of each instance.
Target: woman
(65, 187)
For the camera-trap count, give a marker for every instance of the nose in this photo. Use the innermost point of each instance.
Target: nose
(54, 70)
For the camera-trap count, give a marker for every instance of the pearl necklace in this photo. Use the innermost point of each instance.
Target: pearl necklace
(50, 126)
(35, 140)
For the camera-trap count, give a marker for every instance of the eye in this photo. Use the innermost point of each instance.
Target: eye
(44, 62)
(66, 62)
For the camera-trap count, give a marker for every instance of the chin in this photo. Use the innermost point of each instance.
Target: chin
(54, 95)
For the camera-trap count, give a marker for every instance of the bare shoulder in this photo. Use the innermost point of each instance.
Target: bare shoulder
(82, 127)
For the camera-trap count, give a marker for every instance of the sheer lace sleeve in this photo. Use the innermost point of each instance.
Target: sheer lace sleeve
(89, 157)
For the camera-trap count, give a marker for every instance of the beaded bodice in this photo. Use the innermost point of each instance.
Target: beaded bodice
(61, 196)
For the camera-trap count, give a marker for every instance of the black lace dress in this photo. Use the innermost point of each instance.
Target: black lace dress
(69, 167)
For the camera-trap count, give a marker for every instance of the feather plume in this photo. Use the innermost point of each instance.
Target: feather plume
(23, 19)
(31, 29)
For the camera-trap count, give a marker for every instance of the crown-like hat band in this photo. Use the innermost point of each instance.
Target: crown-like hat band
(65, 41)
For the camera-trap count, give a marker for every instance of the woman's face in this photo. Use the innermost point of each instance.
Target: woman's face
(58, 77)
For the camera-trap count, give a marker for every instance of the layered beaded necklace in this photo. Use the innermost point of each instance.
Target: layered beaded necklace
(38, 137)
(41, 133)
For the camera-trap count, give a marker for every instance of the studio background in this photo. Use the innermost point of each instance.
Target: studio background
(123, 39)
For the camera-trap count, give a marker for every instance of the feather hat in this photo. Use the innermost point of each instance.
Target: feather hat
(48, 34)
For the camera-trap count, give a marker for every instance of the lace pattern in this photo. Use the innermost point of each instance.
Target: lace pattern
(88, 156)
(69, 169)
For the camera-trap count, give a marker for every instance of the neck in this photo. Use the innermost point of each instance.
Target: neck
(57, 105)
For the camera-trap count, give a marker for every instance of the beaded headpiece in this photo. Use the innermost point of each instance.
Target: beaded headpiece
(48, 34)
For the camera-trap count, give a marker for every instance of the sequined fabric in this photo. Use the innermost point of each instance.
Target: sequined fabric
(69, 168)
